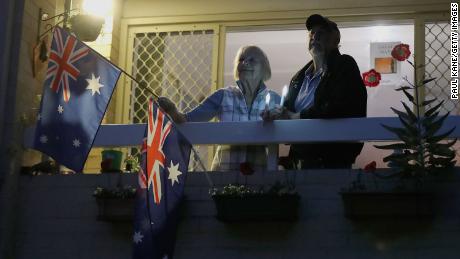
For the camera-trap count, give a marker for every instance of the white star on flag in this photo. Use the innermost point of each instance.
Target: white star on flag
(43, 139)
(137, 238)
(93, 84)
(174, 173)
(76, 143)
(60, 109)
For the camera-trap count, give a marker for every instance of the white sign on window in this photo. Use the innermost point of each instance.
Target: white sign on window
(384, 63)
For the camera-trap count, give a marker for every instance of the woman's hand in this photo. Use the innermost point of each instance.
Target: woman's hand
(279, 113)
(166, 104)
(170, 108)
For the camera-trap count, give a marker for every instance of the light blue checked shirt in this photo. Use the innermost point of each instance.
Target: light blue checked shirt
(306, 97)
(228, 104)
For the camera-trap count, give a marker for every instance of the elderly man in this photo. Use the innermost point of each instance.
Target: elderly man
(329, 86)
(243, 102)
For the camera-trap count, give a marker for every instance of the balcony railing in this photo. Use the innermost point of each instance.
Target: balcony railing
(263, 133)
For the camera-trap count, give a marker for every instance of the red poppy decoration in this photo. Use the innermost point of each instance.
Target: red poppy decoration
(370, 168)
(372, 78)
(246, 168)
(401, 52)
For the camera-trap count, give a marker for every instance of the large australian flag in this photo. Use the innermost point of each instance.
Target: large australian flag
(78, 86)
(165, 158)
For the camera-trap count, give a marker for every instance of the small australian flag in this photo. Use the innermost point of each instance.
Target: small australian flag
(77, 89)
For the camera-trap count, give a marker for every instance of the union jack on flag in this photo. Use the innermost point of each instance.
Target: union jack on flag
(141, 178)
(164, 163)
(62, 63)
(158, 130)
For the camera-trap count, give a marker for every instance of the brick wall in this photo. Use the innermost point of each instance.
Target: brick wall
(30, 88)
(58, 220)
(23, 91)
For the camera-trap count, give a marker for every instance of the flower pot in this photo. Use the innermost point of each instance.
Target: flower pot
(111, 161)
(257, 207)
(86, 27)
(115, 209)
(388, 204)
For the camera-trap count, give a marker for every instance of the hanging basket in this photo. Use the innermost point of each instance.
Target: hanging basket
(264, 207)
(115, 209)
(359, 205)
(86, 27)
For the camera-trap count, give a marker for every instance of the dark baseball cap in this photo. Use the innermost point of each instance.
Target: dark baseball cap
(316, 19)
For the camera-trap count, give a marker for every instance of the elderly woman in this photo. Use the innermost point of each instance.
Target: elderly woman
(244, 102)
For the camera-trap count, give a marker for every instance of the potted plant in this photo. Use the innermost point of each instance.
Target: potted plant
(241, 203)
(420, 155)
(111, 161)
(132, 164)
(115, 204)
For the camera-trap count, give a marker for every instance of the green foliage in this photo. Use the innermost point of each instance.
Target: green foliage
(422, 153)
(125, 192)
(233, 190)
(132, 163)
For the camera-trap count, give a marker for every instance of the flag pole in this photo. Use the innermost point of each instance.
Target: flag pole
(144, 87)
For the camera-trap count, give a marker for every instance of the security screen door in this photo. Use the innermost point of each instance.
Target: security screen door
(179, 62)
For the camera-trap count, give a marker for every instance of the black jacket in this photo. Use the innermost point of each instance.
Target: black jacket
(340, 94)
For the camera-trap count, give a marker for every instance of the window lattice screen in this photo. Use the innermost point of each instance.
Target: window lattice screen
(437, 64)
(175, 64)
(437, 61)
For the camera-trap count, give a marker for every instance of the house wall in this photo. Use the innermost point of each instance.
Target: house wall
(29, 87)
(158, 8)
(58, 220)
(19, 106)
(262, 15)
(254, 18)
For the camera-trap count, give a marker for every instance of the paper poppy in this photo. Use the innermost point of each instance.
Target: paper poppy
(370, 168)
(372, 78)
(246, 168)
(401, 52)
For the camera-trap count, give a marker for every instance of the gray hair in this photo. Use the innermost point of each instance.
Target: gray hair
(266, 70)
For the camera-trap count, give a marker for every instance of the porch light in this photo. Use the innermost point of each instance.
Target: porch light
(101, 8)
(86, 27)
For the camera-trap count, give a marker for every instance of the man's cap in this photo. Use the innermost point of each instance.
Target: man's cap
(316, 19)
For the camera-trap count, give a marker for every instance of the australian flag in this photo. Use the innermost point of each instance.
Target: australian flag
(78, 86)
(165, 158)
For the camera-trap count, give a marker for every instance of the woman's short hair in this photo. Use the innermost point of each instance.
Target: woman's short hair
(266, 70)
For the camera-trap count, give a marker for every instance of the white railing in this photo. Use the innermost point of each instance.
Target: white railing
(261, 133)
